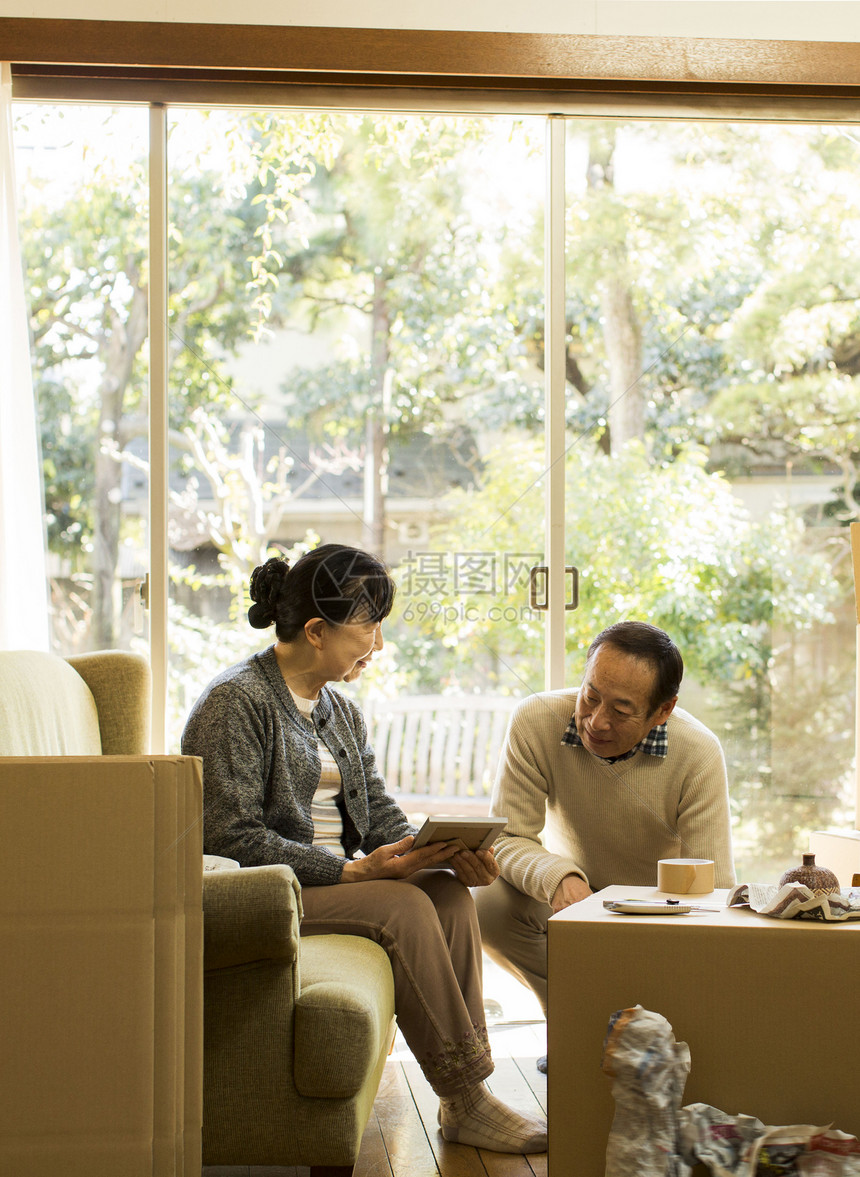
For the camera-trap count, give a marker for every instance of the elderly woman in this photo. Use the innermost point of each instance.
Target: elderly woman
(289, 777)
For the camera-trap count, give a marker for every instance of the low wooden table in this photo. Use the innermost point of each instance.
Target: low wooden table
(769, 1008)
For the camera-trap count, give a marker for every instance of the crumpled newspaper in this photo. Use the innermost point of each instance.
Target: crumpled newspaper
(795, 901)
(724, 1143)
(742, 1146)
(653, 1136)
(648, 1069)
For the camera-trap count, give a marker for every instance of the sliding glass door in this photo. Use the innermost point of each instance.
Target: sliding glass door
(425, 335)
(362, 362)
(713, 335)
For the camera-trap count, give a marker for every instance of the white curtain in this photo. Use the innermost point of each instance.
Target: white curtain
(23, 579)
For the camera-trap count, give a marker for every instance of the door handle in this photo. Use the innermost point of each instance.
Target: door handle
(541, 570)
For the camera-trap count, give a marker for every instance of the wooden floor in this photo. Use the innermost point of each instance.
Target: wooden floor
(403, 1139)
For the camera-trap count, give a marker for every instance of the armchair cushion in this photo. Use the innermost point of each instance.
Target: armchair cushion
(343, 1014)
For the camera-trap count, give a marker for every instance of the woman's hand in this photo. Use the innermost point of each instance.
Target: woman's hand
(397, 861)
(475, 868)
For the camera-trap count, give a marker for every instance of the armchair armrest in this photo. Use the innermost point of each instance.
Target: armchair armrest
(250, 915)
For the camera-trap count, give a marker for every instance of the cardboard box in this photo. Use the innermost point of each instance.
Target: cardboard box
(839, 851)
(768, 1008)
(101, 973)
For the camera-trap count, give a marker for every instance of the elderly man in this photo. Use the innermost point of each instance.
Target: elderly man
(597, 784)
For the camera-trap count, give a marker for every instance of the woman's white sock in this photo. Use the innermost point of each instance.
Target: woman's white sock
(479, 1119)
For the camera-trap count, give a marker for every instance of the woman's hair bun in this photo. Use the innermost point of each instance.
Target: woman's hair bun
(260, 616)
(267, 582)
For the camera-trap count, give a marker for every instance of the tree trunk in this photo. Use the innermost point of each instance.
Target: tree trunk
(623, 341)
(622, 335)
(119, 348)
(106, 520)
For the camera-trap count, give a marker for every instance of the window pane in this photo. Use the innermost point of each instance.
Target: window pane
(357, 353)
(82, 176)
(358, 358)
(714, 324)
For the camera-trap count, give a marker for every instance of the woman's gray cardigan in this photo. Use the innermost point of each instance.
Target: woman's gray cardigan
(261, 769)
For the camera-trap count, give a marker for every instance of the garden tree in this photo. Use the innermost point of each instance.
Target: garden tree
(646, 283)
(649, 273)
(232, 504)
(792, 345)
(711, 284)
(236, 500)
(749, 265)
(668, 542)
(393, 247)
(85, 262)
(808, 420)
(270, 159)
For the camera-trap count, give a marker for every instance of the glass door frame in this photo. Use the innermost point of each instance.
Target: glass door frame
(775, 109)
(554, 440)
(158, 422)
(555, 437)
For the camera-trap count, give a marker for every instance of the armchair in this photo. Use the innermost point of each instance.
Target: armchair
(295, 1033)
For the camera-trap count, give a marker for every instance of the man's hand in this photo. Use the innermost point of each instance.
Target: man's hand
(395, 861)
(475, 868)
(570, 890)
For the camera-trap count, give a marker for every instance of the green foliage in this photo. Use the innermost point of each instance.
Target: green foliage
(391, 253)
(819, 412)
(85, 247)
(736, 248)
(668, 543)
(790, 343)
(85, 261)
(67, 473)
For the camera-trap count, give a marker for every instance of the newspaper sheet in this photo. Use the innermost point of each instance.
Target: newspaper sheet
(653, 1136)
(742, 1146)
(794, 901)
(649, 1070)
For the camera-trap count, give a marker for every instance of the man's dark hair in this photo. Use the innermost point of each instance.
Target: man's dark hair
(648, 644)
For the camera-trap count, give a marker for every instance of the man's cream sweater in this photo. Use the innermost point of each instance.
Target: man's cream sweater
(570, 812)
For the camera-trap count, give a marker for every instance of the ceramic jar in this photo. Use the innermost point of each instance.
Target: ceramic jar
(818, 879)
